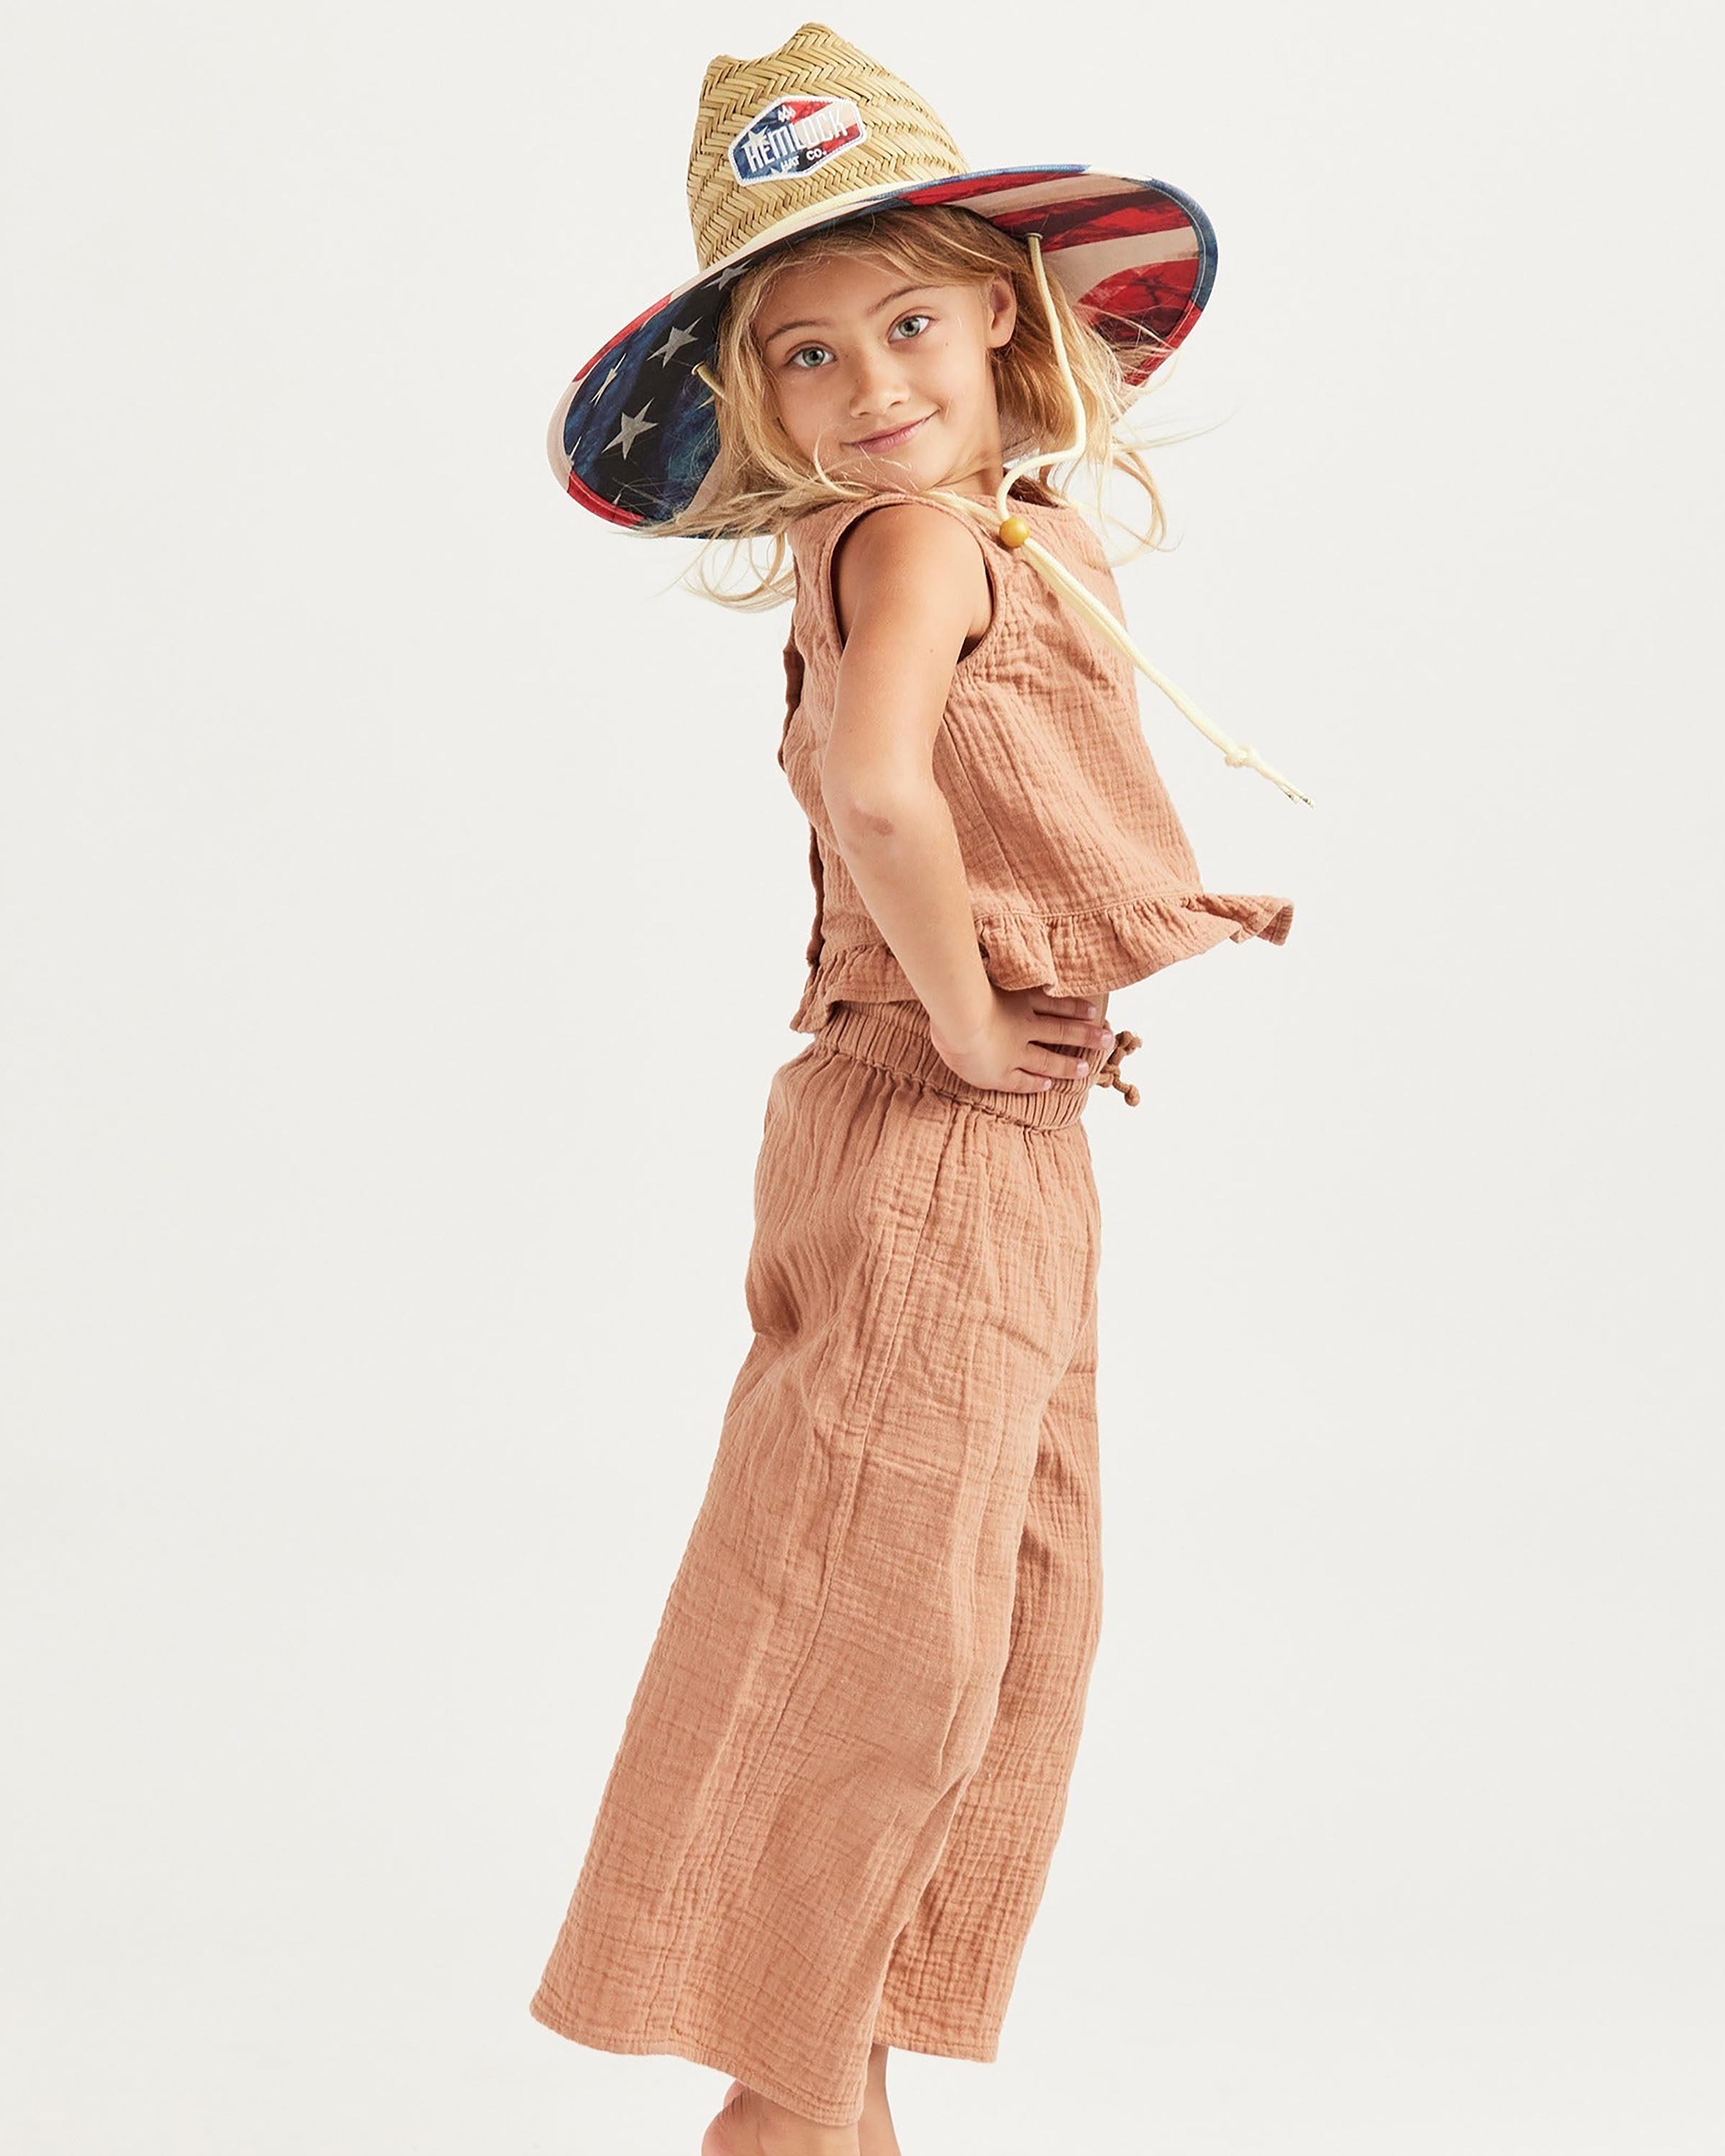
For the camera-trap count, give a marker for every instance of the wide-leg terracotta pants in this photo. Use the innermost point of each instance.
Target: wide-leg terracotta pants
(830, 1818)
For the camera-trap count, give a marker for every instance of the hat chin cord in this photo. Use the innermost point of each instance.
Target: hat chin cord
(1013, 531)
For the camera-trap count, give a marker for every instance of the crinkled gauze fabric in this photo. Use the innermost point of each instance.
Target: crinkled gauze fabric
(830, 1818)
(1081, 877)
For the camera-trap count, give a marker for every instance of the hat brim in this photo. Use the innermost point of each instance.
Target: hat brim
(634, 435)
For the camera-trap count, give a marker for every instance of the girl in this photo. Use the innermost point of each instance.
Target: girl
(830, 1817)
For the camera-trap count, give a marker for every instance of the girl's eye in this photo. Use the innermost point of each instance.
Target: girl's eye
(802, 351)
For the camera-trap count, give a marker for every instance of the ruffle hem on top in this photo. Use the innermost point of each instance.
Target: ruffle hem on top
(1091, 952)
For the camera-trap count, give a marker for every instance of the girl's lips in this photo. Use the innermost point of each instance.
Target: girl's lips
(892, 440)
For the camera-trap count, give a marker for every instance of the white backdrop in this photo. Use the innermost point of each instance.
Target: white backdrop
(403, 911)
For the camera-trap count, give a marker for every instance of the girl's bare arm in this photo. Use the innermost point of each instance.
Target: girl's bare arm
(910, 588)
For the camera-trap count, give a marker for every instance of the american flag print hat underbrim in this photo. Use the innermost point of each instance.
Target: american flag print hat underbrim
(634, 435)
(814, 134)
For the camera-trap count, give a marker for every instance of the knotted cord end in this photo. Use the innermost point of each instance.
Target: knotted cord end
(1125, 1041)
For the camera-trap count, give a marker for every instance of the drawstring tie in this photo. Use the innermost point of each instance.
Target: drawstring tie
(1014, 531)
(1125, 1041)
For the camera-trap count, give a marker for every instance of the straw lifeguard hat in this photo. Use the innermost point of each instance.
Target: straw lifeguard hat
(809, 135)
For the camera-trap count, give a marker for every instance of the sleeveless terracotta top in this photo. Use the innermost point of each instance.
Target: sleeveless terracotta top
(1081, 877)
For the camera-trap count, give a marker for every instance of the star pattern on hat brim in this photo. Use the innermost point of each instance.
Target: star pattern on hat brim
(634, 434)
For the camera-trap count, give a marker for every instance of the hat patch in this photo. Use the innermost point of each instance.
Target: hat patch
(794, 135)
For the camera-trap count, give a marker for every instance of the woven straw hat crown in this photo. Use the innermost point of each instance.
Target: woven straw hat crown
(899, 139)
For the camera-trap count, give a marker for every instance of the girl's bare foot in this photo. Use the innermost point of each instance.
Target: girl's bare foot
(874, 2135)
(752, 2125)
(747, 2125)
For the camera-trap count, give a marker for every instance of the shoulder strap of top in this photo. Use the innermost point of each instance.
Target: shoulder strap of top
(819, 535)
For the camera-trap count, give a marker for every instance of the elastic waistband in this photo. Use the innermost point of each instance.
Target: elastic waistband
(894, 1036)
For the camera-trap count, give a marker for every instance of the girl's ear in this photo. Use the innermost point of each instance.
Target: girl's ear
(1002, 300)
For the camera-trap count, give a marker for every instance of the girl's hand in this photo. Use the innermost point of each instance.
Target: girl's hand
(1013, 1052)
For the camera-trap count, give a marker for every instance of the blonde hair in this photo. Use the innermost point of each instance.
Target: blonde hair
(759, 482)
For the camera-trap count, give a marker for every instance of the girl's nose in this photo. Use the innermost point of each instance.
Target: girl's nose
(877, 393)
(879, 414)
